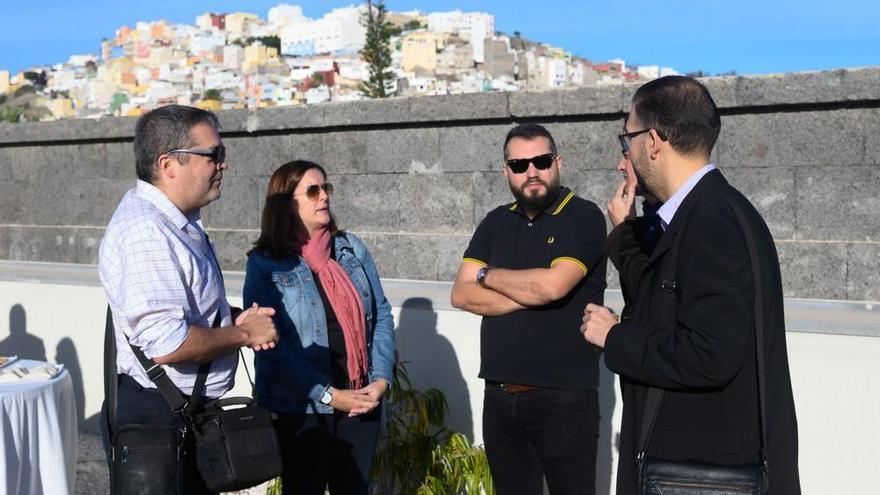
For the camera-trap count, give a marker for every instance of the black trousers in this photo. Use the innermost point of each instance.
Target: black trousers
(321, 450)
(145, 406)
(541, 434)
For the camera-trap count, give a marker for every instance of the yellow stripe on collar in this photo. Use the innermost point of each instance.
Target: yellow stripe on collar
(563, 203)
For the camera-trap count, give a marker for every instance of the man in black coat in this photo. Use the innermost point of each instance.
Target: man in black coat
(692, 331)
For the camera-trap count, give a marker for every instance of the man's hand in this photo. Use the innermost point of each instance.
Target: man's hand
(257, 323)
(622, 205)
(598, 321)
(353, 402)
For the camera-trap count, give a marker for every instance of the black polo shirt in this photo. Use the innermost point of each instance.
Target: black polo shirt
(543, 346)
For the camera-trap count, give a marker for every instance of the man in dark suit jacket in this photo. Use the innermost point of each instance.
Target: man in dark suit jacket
(692, 328)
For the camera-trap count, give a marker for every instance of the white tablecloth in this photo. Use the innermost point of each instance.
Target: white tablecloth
(38, 433)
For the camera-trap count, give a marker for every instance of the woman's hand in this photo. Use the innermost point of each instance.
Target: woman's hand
(372, 393)
(353, 402)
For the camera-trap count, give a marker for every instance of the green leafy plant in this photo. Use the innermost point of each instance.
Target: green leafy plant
(212, 94)
(413, 430)
(417, 454)
(274, 487)
(458, 468)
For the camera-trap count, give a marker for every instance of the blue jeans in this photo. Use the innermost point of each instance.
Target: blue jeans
(541, 434)
(321, 450)
(145, 406)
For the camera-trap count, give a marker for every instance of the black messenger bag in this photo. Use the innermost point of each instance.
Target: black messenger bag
(236, 447)
(235, 441)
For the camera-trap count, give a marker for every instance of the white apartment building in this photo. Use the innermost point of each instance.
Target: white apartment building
(352, 68)
(206, 41)
(302, 68)
(284, 15)
(472, 26)
(339, 31)
(222, 78)
(546, 72)
(233, 56)
(655, 71)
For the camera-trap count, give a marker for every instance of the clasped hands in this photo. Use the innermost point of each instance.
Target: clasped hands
(257, 323)
(360, 401)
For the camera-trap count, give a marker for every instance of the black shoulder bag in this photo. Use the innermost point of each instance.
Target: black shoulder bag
(657, 477)
(235, 441)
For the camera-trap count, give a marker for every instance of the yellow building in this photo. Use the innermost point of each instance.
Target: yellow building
(419, 51)
(237, 21)
(211, 105)
(61, 108)
(161, 55)
(256, 55)
(4, 82)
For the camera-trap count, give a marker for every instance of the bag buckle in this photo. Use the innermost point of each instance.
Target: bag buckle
(155, 372)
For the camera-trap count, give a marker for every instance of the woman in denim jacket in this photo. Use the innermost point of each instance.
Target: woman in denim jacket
(335, 354)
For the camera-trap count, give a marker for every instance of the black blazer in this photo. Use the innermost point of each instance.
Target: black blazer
(696, 341)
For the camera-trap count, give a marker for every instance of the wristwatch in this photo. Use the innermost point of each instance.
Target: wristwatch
(327, 397)
(481, 275)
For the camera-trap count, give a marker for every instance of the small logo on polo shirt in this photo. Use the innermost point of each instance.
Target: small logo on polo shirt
(551, 240)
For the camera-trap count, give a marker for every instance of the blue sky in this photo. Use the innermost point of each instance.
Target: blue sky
(748, 36)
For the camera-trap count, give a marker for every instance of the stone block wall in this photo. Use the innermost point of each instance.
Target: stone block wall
(415, 175)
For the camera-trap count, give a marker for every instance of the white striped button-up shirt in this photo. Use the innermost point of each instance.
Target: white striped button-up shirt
(160, 276)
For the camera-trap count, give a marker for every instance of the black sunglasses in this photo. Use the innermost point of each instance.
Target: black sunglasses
(313, 191)
(520, 165)
(217, 154)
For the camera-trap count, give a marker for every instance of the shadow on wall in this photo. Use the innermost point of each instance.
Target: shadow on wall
(27, 346)
(65, 353)
(432, 361)
(20, 343)
(608, 445)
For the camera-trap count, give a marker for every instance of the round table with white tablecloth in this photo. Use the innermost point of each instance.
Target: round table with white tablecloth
(38, 434)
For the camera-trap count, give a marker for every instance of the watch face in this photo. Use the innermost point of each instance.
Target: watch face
(326, 398)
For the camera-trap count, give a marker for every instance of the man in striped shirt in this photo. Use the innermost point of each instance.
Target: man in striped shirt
(161, 277)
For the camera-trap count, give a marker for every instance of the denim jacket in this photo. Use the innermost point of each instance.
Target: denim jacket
(292, 377)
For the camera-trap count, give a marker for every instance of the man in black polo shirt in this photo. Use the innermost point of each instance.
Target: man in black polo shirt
(529, 271)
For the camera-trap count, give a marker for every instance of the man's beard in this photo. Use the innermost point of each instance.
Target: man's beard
(642, 187)
(537, 202)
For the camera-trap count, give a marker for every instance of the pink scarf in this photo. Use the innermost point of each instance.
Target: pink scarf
(344, 299)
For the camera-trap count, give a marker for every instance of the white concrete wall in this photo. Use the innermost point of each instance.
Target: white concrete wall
(835, 377)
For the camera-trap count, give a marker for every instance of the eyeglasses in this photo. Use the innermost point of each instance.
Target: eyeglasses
(520, 165)
(217, 154)
(313, 191)
(626, 138)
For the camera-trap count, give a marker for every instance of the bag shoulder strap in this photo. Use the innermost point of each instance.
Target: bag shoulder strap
(156, 373)
(111, 378)
(655, 395)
